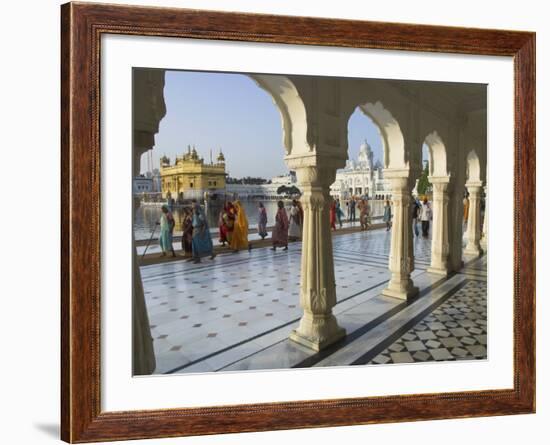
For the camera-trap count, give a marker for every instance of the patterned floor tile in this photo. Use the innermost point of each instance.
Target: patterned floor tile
(465, 341)
(205, 310)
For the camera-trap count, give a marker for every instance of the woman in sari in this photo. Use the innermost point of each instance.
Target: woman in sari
(339, 213)
(333, 215)
(167, 224)
(280, 231)
(295, 227)
(187, 235)
(226, 223)
(239, 239)
(262, 221)
(466, 204)
(364, 215)
(202, 241)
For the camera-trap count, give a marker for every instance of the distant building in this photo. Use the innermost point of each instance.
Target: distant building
(382, 186)
(190, 177)
(262, 191)
(360, 178)
(142, 184)
(288, 180)
(155, 177)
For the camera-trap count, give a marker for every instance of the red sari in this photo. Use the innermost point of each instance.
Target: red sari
(226, 223)
(333, 215)
(280, 231)
(187, 235)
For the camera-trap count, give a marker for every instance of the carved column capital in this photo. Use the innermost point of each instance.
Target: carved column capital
(474, 188)
(313, 169)
(315, 176)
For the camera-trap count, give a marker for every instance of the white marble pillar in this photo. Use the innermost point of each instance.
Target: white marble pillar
(148, 110)
(483, 241)
(440, 226)
(401, 262)
(318, 327)
(473, 230)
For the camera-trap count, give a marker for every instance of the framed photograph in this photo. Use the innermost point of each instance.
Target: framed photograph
(274, 222)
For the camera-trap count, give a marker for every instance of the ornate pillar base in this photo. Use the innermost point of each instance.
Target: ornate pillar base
(317, 331)
(473, 250)
(403, 291)
(443, 271)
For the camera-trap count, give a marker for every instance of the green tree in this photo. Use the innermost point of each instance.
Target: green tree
(288, 191)
(423, 182)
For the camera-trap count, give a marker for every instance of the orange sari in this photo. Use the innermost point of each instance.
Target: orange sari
(239, 240)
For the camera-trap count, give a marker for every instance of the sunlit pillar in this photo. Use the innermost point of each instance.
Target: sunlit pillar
(318, 327)
(473, 230)
(401, 262)
(440, 226)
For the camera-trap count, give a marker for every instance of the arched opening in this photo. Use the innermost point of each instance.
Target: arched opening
(473, 176)
(473, 168)
(375, 143)
(395, 214)
(393, 143)
(224, 151)
(422, 201)
(422, 186)
(433, 210)
(362, 177)
(291, 108)
(436, 154)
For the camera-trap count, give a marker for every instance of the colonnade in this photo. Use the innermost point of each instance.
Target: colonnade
(318, 326)
(314, 114)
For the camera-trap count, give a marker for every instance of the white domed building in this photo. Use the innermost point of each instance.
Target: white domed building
(359, 178)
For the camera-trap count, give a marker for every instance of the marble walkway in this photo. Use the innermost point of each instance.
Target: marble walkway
(235, 312)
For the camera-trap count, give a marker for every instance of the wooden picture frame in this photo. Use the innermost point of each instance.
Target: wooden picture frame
(82, 26)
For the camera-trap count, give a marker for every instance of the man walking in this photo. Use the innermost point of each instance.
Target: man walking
(426, 216)
(352, 211)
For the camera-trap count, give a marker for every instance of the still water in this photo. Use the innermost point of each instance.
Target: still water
(147, 216)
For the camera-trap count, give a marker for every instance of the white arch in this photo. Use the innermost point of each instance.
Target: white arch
(291, 107)
(393, 142)
(437, 155)
(473, 168)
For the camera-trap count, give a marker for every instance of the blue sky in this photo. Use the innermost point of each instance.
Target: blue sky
(229, 111)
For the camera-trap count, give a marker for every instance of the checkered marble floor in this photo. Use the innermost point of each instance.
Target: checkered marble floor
(236, 311)
(456, 330)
